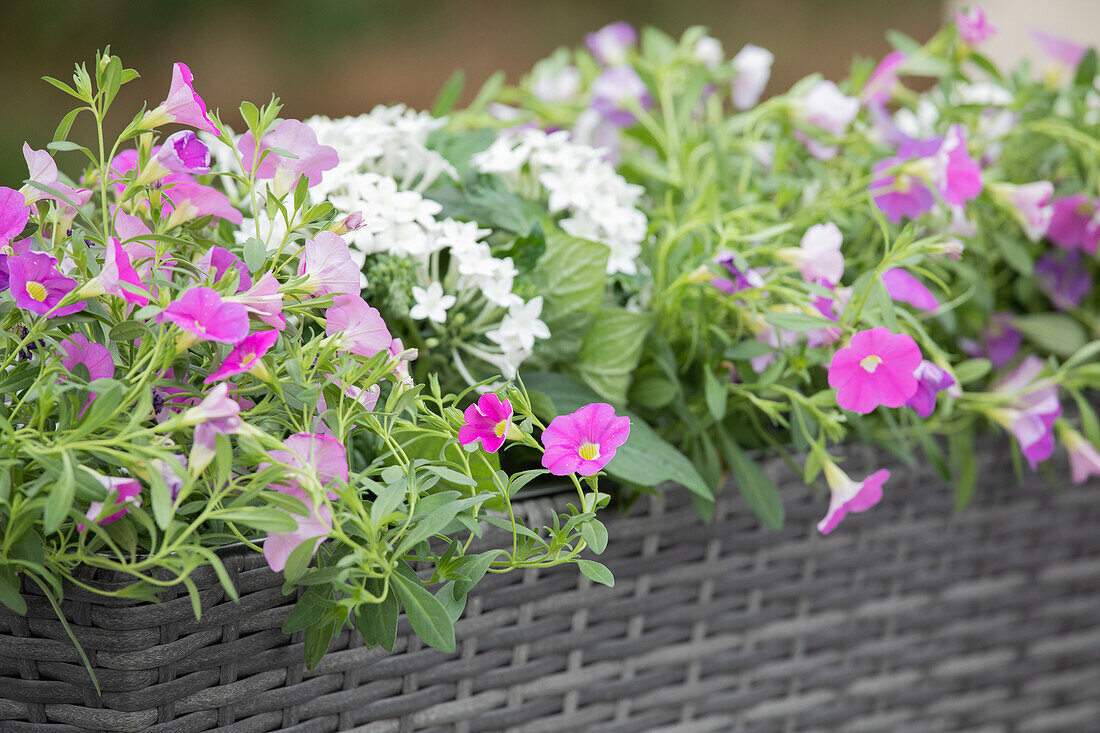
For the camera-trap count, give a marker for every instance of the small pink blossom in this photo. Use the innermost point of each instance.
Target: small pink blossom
(220, 261)
(311, 452)
(488, 420)
(1084, 460)
(1029, 203)
(42, 170)
(187, 200)
(931, 380)
(245, 356)
(828, 109)
(973, 26)
(1074, 224)
(1032, 409)
(312, 528)
(96, 358)
(327, 264)
(38, 286)
(876, 369)
(848, 496)
(611, 44)
(217, 414)
(264, 301)
(183, 105)
(585, 441)
(753, 68)
(295, 138)
(1065, 54)
(14, 215)
(905, 288)
(897, 192)
(879, 88)
(203, 314)
(958, 176)
(819, 258)
(117, 272)
(122, 495)
(358, 327)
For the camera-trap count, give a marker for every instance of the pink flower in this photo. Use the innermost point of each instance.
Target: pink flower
(753, 68)
(217, 414)
(182, 152)
(309, 452)
(958, 176)
(1000, 342)
(188, 200)
(38, 286)
(1029, 203)
(1073, 223)
(264, 301)
(818, 257)
(203, 314)
(1032, 409)
(118, 271)
(827, 108)
(220, 261)
(584, 441)
(973, 26)
(42, 169)
(183, 105)
(296, 138)
(611, 44)
(876, 369)
(359, 327)
(848, 496)
(616, 92)
(245, 356)
(14, 215)
(931, 380)
(879, 88)
(903, 287)
(1065, 54)
(326, 261)
(314, 527)
(1084, 460)
(96, 358)
(488, 421)
(750, 278)
(122, 494)
(1063, 278)
(897, 192)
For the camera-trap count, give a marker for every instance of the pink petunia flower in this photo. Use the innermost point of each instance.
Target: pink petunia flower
(358, 327)
(38, 286)
(931, 380)
(116, 273)
(182, 152)
(1063, 278)
(1032, 409)
(488, 420)
(616, 92)
(904, 287)
(217, 414)
(879, 88)
(14, 215)
(611, 44)
(42, 169)
(122, 495)
(1063, 54)
(958, 176)
(1029, 203)
(876, 369)
(202, 314)
(327, 264)
(312, 528)
(1074, 224)
(187, 200)
(848, 496)
(973, 26)
(295, 138)
(182, 106)
(753, 68)
(818, 256)
(897, 192)
(264, 301)
(1084, 460)
(584, 441)
(308, 453)
(246, 356)
(220, 261)
(96, 358)
(828, 109)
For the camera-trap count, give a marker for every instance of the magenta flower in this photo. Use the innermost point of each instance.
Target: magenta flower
(296, 138)
(117, 271)
(220, 261)
(38, 286)
(314, 527)
(187, 200)
(931, 380)
(753, 67)
(264, 301)
(958, 176)
(488, 421)
(750, 278)
(183, 105)
(898, 193)
(1063, 278)
(310, 452)
(999, 342)
(14, 215)
(818, 256)
(905, 288)
(879, 88)
(611, 44)
(584, 441)
(203, 314)
(617, 92)
(1073, 223)
(326, 261)
(1032, 410)
(245, 356)
(42, 169)
(973, 26)
(1084, 460)
(848, 496)
(876, 369)
(1064, 53)
(96, 358)
(358, 327)
(122, 495)
(1029, 203)
(182, 152)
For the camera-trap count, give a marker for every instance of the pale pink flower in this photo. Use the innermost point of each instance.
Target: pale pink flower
(848, 496)
(1032, 409)
(905, 288)
(327, 264)
(122, 495)
(42, 170)
(312, 528)
(187, 200)
(358, 327)
(1084, 460)
(818, 256)
(183, 105)
(879, 88)
(612, 43)
(264, 301)
(1029, 203)
(324, 455)
(753, 68)
(295, 138)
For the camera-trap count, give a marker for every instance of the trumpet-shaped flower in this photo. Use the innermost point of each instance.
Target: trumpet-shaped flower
(122, 495)
(118, 272)
(246, 356)
(973, 26)
(203, 314)
(848, 496)
(738, 280)
(187, 200)
(818, 256)
(611, 44)
(585, 441)
(217, 414)
(181, 153)
(958, 176)
(311, 528)
(312, 159)
(905, 288)
(931, 380)
(220, 261)
(38, 286)
(1063, 278)
(327, 264)
(42, 170)
(897, 192)
(1084, 460)
(616, 92)
(358, 327)
(431, 303)
(182, 106)
(488, 420)
(1032, 410)
(1029, 203)
(876, 369)
(96, 358)
(14, 215)
(324, 455)
(753, 67)
(1073, 223)
(264, 301)
(879, 88)
(1063, 54)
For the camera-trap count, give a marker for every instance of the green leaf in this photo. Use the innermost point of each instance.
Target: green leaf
(317, 641)
(611, 350)
(595, 534)
(426, 614)
(715, 393)
(128, 331)
(309, 609)
(972, 370)
(377, 622)
(9, 591)
(1086, 70)
(797, 321)
(596, 572)
(759, 490)
(1054, 332)
(966, 473)
(571, 277)
(1015, 253)
(748, 349)
(66, 124)
(473, 570)
(60, 499)
(255, 254)
(449, 94)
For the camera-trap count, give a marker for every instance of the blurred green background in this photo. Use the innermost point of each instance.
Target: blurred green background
(341, 57)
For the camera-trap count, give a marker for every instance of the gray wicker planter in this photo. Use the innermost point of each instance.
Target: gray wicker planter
(907, 619)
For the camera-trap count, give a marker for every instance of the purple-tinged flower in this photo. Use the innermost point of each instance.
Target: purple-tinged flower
(182, 106)
(828, 109)
(898, 193)
(818, 256)
(875, 369)
(904, 287)
(826, 306)
(752, 67)
(1029, 203)
(585, 441)
(4, 274)
(122, 495)
(38, 286)
(1063, 278)
(220, 261)
(117, 273)
(1064, 55)
(327, 264)
(958, 176)
(616, 92)
(611, 44)
(973, 26)
(312, 528)
(1031, 411)
(42, 170)
(246, 356)
(848, 496)
(1073, 223)
(1084, 460)
(188, 200)
(931, 380)
(313, 453)
(750, 278)
(879, 88)
(96, 358)
(487, 420)
(182, 152)
(358, 327)
(264, 301)
(217, 414)
(204, 316)
(776, 338)
(296, 138)
(999, 342)
(14, 215)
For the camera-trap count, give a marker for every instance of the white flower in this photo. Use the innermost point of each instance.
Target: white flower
(754, 67)
(431, 303)
(828, 108)
(919, 123)
(985, 93)
(521, 326)
(708, 52)
(559, 85)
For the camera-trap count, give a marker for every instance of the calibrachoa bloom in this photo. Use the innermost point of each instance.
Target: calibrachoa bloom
(117, 271)
(314, 527)
(42, 170)
(311, 160)
(326, 262)
(182, 152)
(931, 380)
(314, 453)
(585, 441)
(122, 494)
(203, 314)
(818, 256)
(489, 421)
(264, 301)
(828, 109)
(1084, 460)
(358, 327)
(753, 68)
(879, 88)
(1032, 411)
(217, 414)
(182, 105)
(876, 369)
(904, 287)
(1063, 278)
(611, 43)
(973, 26)
(898, 193)
(1073, 223)
(38, 286)
(618, 90)
(14, 214)
(958, 176)
(1000, 341)
(1029, 203)
(750, 278)
(96, 358)
(220, 261)
(848, 496)
(246, 356)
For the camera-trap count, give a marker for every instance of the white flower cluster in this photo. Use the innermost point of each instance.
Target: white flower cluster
(600, 204)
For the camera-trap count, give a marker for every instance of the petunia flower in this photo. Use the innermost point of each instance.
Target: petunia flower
(879, 88)
(42, 169)
(957, 175)
(750, 278)
(999, 342)
(1063, 278)
(1073, 223)
(611, 44)
(220, 261)
(848, 496)
(312, 528)
(358, 327)
(246, 356)
(875, 369)
(264, 301)
(182, 152)
(204, 316)
(217, 414)
(431, 303)
(122, 495)
(182, 106)
(616, 92)
(1032, 409)
(488, 420)
(818, 256)
(312, 453)
(327, 264)
(1084, 460)
(585, 441)
(311, 160)
(931, 380)
(897, 192)
(95, 357)
(752, 67)
(973, 26)
(1029, 204)
(1063, 55)
(14, 215)
(38, 286)
(904, 287)
(187, 200)
(828, 109)
(116, 273)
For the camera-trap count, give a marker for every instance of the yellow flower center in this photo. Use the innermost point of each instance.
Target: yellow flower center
(36, 290)
(870, 363)
(903, 182)
(589, 451)
(501, 428)
(248, 359)
(1084, 209)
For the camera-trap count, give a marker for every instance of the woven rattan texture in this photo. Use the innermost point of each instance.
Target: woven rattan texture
(907, 619)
